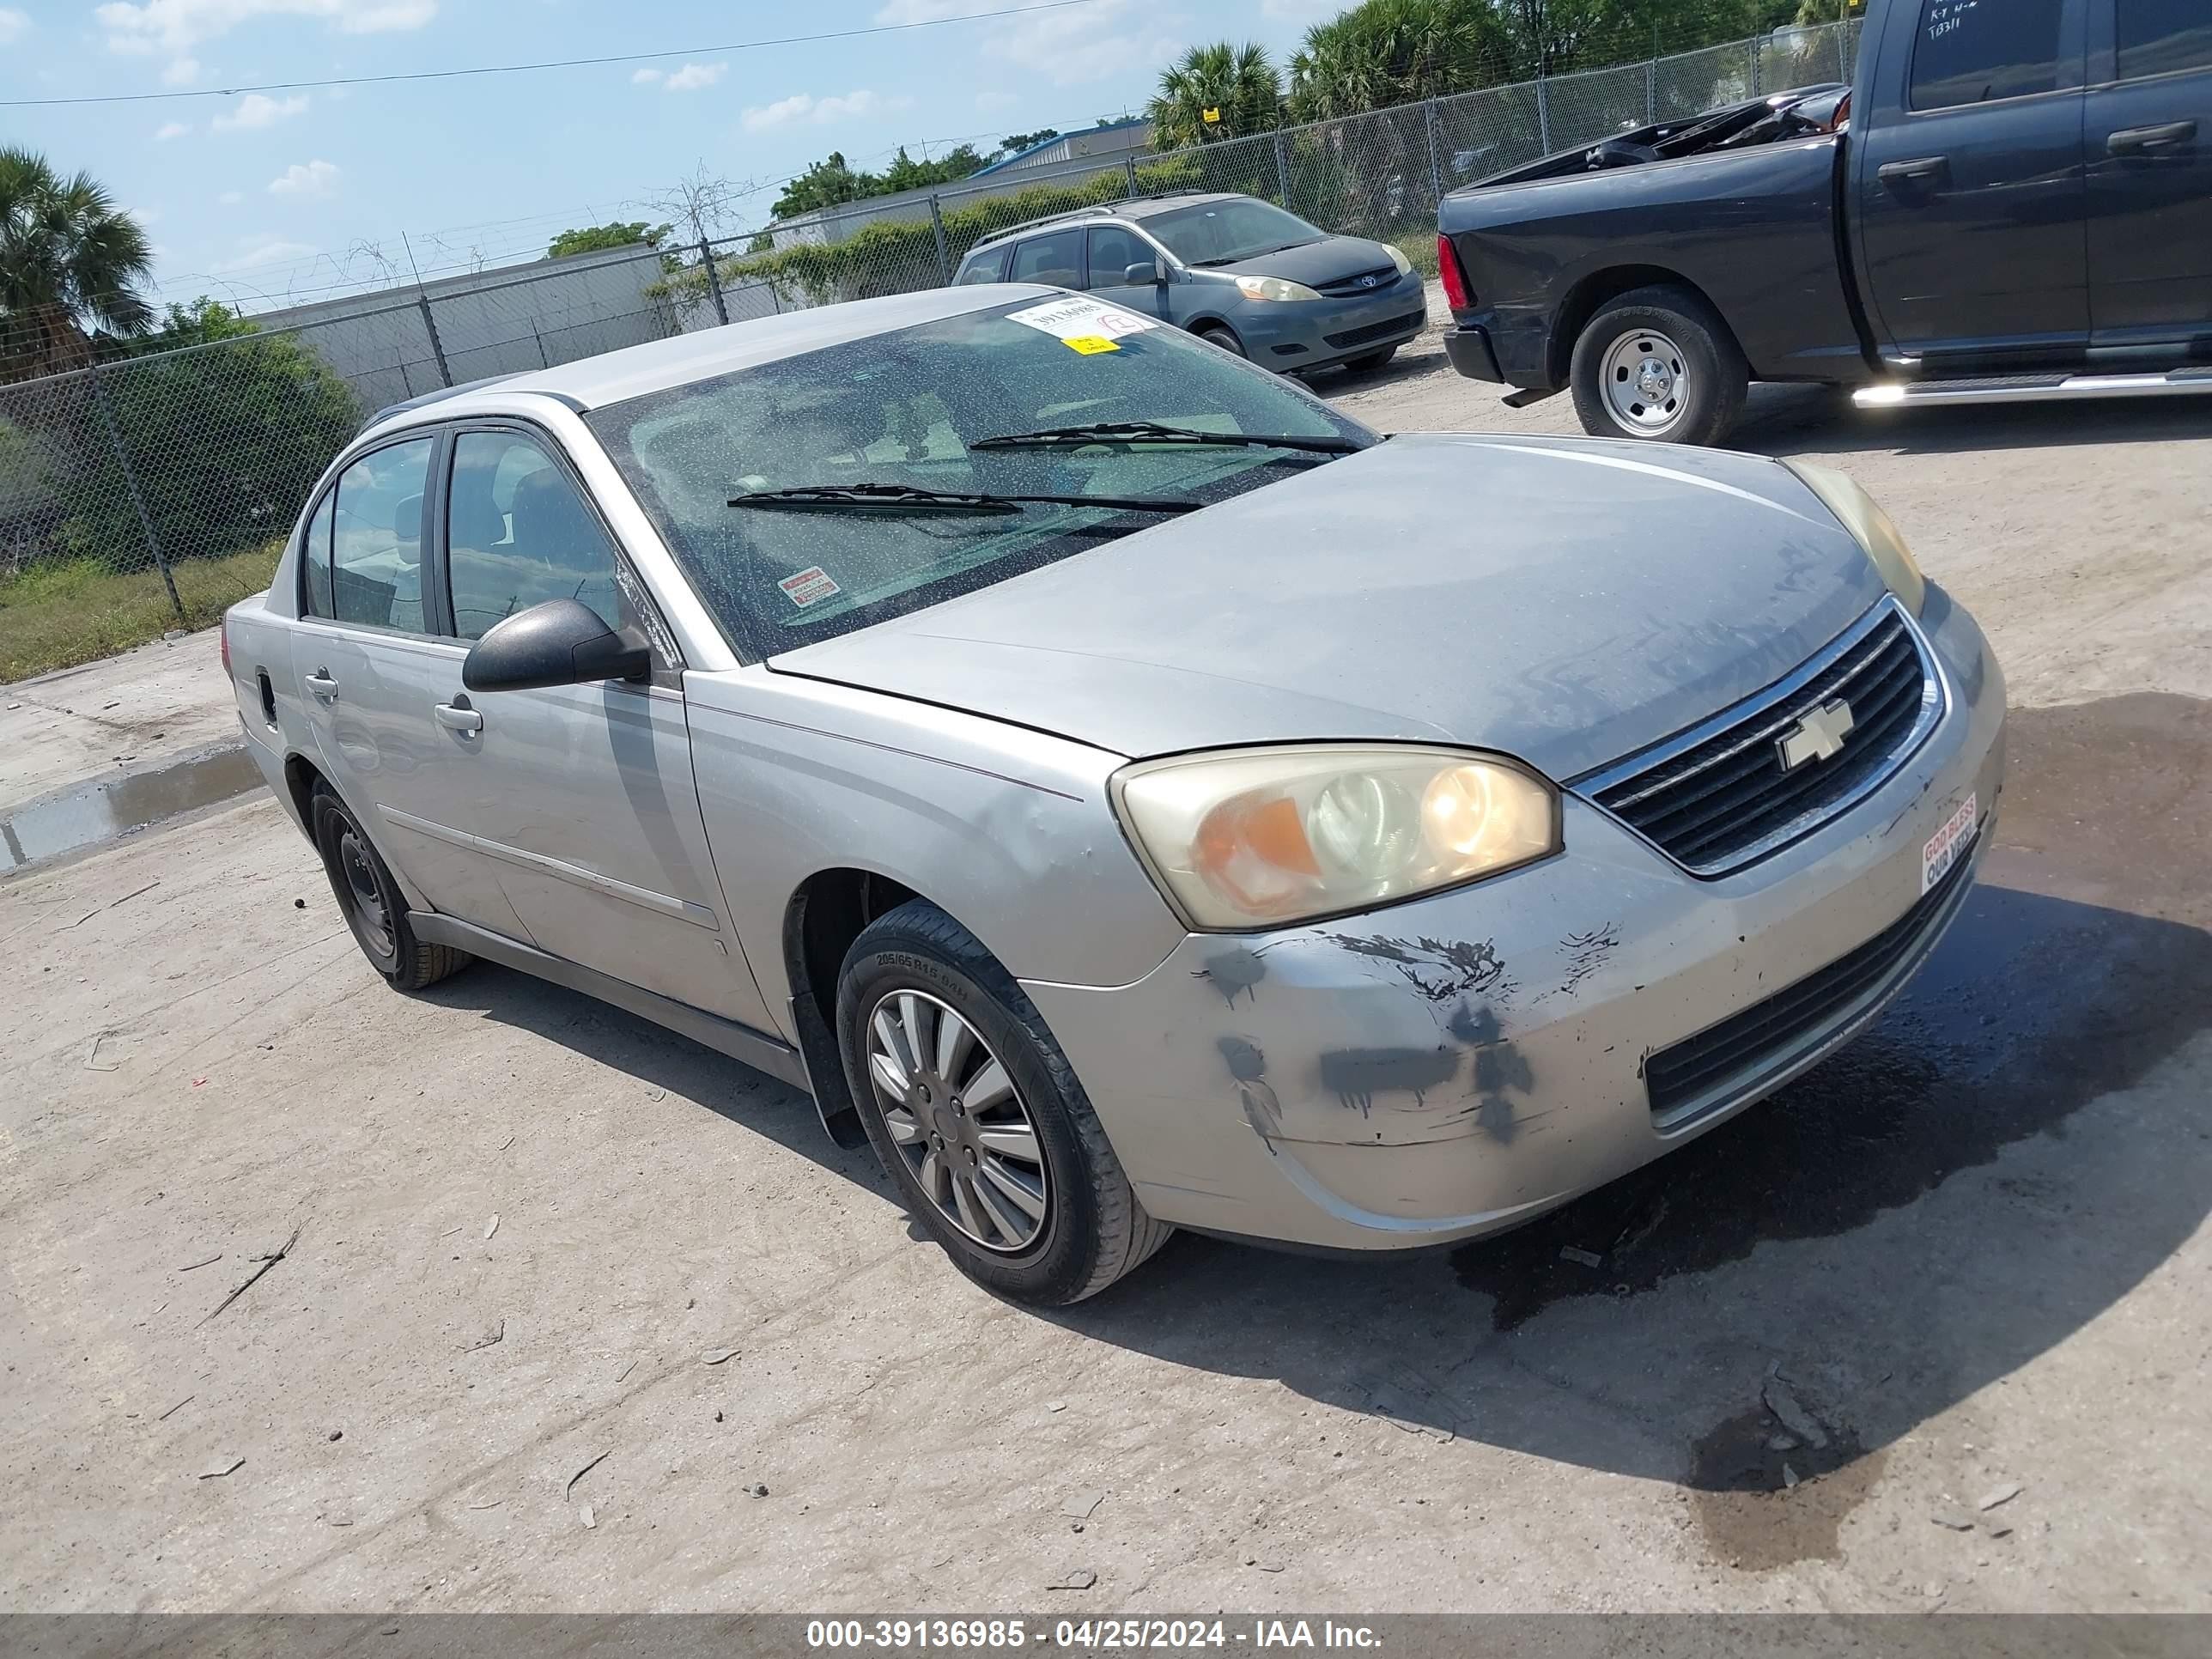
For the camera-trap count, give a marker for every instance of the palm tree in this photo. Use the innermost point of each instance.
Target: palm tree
(1397, 52)
(70, 261)
(1237, 83)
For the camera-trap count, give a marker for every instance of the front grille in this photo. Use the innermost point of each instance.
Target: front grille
(1353, 336)
(1745, 1044)
(1359, 283)
(1718, 796)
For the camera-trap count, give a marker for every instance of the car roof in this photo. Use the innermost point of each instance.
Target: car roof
(1137, 209)
(635, 371)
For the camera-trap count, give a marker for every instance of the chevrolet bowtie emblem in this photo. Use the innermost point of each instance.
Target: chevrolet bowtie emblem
(1819, 736)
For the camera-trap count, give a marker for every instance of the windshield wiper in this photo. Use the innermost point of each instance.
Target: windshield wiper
(907, 498)
(1152, 432)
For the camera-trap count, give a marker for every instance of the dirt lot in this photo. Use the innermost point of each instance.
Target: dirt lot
(1967, 1257)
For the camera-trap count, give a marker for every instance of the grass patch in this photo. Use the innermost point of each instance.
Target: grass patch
(1420, 247)
(77, 611)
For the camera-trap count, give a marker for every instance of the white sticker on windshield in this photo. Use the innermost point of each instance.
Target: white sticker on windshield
(1078, 317)
(810, 586)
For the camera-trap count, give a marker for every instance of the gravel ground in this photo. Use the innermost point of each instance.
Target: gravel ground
(510, 1229)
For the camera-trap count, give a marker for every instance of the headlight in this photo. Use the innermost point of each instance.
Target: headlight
(1398, 258)
(1862, 516)
(1259, 838)
(1273, 288)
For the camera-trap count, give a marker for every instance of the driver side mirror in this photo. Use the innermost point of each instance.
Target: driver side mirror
(1146, 273)
(560, 642)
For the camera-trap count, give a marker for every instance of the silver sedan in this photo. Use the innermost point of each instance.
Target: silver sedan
(1124, 790)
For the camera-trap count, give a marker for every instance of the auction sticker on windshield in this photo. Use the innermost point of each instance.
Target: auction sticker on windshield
(809, 587)
(1941, 849)
(1080, 319)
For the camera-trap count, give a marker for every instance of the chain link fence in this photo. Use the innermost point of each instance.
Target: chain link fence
(146, 493)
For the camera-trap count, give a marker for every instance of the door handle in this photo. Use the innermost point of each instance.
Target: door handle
(2137, 141)
(322, 684)
(1921, 169)
(459, 717)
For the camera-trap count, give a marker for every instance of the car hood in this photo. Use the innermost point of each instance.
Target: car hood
(1564, 601)
(1331, 259)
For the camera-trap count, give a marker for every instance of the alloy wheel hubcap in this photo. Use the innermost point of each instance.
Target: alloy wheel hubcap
(1646, 382)
(362, 891)
(956, 1117)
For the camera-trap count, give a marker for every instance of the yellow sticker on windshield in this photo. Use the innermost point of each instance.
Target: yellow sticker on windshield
(1089, 344)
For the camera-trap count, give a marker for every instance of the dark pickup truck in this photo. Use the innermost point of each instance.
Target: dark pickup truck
(2012, 202)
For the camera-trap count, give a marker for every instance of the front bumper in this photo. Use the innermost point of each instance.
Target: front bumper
(1459, 1064)
(1306, 334)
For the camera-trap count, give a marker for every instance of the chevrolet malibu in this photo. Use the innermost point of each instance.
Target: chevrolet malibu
(1122, 789)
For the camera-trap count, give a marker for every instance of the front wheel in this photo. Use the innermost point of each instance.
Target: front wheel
(1658, 363)
(1215, 334)
(1373, 360)
(978, 1118)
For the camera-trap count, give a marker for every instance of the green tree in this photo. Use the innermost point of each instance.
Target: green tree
(70, 262)
(1237, 82)
(1016, 142)
(224, 442)
(906, 174)
(833, 180)
(595, 239)
(1397, 52)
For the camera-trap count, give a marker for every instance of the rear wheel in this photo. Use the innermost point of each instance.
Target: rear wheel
(371, 902)
(977, 1116)
(1658, 363)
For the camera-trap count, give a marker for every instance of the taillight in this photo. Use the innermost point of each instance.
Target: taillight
(226, 648)
(1454, 279)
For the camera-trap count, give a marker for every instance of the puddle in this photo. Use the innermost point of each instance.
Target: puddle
(119, 805)
(2080, 960)
(1765, 1499)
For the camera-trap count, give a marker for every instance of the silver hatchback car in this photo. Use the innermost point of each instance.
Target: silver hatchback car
(1126, 791)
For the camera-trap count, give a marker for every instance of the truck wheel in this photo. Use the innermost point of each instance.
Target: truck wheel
(372, 903)
(977, 1116)
(1658, 363)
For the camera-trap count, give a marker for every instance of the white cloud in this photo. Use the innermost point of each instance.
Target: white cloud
(259, 110)
(263, 250)
(182, 73)
(169, 130)
(14, 25)
(645, 77)
(692, 76)
(1068, 46)
(177, 26)
(309, 183)
(231, 198)
(804, 107)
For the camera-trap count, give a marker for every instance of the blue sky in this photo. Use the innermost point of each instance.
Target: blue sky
(263, 198)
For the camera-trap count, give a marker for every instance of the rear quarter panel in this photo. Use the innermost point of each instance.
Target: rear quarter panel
(1754, 230)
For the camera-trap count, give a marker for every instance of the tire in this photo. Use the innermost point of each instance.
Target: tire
(1648, 343)
(371, 902)
(912, 966)
(1216, 334)
(1371, 361)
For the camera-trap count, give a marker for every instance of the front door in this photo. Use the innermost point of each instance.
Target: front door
(1967, 182)
(1114, 249)
(2149, 141)
(373, 670)
(582, 796)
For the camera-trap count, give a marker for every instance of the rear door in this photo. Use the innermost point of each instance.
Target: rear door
(1968, 183)
(372, 669)
(582, 796)
(2149, 127)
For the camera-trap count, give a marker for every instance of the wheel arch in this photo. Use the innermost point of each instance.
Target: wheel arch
(1598, 288)
(823, 915)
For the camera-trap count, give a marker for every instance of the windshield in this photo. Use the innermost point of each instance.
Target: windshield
(1222, 233)
(901, 408)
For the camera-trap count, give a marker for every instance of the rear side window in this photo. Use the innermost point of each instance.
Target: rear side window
(988, 266)
(1057, 258)
(376, 538)
(1969, 51)
(315, 562)
(2157, 37)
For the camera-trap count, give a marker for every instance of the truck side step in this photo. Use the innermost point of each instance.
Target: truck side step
(2036, 388)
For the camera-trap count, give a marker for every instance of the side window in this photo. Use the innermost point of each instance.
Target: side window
(1114, 249)
(315, 562)
(2157, 37)
(1057, 258)
(376, 538)
(989, 266)
(518, 534)
(1969, 51)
